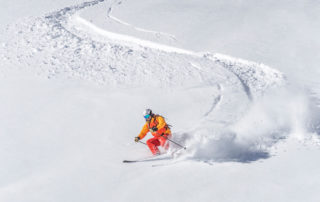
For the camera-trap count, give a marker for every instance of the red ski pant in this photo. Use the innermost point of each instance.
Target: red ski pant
(153, 144)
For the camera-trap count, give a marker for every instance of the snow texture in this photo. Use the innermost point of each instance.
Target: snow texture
(72, 93)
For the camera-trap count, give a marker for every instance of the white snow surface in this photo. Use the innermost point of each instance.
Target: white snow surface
(73, 85)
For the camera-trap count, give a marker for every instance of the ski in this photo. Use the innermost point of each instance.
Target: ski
(130, 161)
(166, 156)
(156, 158)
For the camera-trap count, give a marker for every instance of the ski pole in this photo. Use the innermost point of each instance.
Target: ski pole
(142, 142)
(175, 143)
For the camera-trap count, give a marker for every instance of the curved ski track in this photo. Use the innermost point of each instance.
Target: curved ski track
(71, 46)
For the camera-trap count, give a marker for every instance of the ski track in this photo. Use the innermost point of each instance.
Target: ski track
(157, 34)
(215, 103)
(63, 44)
(59, 28)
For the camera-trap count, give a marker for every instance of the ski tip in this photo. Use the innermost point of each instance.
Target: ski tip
(128, 161)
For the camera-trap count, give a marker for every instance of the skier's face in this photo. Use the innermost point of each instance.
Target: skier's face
(147, 117)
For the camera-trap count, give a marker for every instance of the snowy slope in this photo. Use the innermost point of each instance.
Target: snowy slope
(72, 93)
(283, 34)
(73, 52)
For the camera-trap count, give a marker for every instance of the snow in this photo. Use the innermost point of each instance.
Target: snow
(74, 82)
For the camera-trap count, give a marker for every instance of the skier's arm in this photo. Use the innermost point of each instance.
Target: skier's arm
(144, 131)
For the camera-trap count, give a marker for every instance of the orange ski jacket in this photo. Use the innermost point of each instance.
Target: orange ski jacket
(156, 121)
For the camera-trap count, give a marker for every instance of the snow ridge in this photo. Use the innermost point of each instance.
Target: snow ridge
(68, 49)
(255, 78)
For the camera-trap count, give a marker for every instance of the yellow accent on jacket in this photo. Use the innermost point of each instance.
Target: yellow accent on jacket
(156, 121)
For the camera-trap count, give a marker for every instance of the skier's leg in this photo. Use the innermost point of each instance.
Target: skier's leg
(152, 144)
(163, 141)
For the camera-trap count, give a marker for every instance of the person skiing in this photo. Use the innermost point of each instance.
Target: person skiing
(158, 127)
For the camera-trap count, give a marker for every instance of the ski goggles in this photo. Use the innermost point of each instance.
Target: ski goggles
(147, 116)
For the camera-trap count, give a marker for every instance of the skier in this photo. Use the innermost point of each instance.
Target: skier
(158, 128)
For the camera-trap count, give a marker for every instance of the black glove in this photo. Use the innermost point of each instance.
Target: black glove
(154, 129)
(136, 139)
